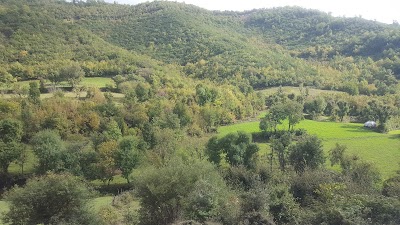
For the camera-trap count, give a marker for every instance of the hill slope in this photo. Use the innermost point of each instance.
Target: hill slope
(33, 43)
(255, 49)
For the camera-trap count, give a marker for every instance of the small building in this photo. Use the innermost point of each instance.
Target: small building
(370, 124)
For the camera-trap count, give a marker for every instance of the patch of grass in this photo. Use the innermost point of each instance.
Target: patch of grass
(249, 127)
(122, 205)
(383, 150)
(3, 209)
(99, 82)
(97, 203)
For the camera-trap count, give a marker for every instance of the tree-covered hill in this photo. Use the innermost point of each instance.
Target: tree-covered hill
(253, 49)
(314, 34)
(34, 44)
(208, 44)
(297, 27)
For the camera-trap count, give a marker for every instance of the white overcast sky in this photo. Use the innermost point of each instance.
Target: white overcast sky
(381, 10)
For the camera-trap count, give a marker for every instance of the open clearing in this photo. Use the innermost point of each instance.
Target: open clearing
(99, 82)
(383, 150)
(3, 209)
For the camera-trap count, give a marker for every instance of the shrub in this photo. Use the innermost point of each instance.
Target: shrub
(50, 199)
(180, 190)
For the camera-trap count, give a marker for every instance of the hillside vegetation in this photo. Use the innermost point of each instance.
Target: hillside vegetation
(118, 114)
(254, 49)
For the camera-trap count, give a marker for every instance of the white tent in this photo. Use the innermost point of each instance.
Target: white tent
(370, 124)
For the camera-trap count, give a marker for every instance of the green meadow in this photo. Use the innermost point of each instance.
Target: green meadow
(3, 209)
(99, 82)
(383, 150)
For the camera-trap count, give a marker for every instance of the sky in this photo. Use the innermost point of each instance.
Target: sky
(385, 11)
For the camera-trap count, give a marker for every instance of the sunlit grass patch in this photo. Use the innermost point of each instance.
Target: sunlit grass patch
(383, 150)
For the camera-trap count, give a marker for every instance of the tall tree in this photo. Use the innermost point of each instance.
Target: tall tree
(50, 199)
(294, 111)
(306, 153)
(106, 164)
(72, 73)
(48, 146)
(10, 146)
(280, 148)
(34, 93)
(6, 79)
(343, 109)
(127, 156)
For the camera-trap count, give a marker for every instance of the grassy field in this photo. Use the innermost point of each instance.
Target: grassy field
(3, 209)
(99, 202)
(381, 149)
(99, 82)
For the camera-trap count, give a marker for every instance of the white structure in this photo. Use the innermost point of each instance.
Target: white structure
(370, 124)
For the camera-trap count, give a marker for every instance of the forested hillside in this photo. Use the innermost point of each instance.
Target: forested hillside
(299, 28)
(254, 49)
(112, 114)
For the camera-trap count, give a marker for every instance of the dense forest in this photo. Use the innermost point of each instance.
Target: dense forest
(177, 73)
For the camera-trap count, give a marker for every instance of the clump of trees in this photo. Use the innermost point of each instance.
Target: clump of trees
(237, 148)
(50, 199)
(184, 191)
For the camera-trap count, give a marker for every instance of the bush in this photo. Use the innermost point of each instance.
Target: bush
(306, 153)
(391, 187)
(50, 199)
(180, 190)
(305, 187)
(282, 206)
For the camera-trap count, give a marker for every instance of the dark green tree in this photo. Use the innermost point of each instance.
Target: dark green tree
(10, 130)
(127, 156)
(182, 111)
(48, 147)
(238, 148)
(343, 109)
(306, 153)
(280, 148)
(183, 190)
(9, 152)
(34, 93)
(50, 199)
(10, 146)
